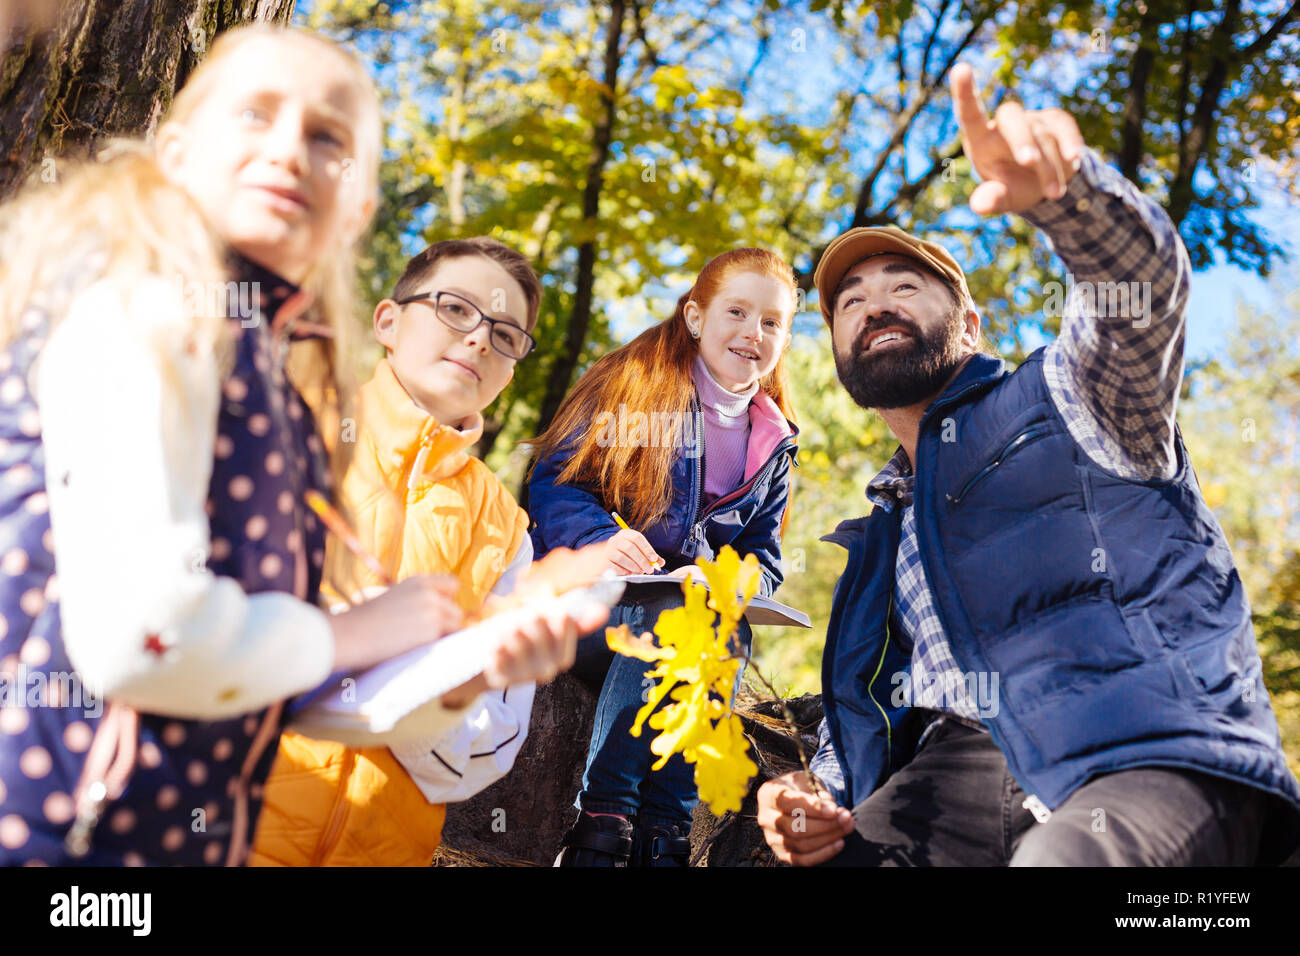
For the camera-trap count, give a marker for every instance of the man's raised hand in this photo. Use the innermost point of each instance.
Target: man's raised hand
(802, 828)
(1022, 156)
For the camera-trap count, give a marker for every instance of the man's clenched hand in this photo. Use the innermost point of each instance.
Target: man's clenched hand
(802, 828)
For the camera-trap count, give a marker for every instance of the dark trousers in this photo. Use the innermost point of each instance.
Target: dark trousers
(956, 804)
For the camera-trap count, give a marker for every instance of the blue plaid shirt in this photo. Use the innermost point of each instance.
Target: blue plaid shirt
(1114, 378)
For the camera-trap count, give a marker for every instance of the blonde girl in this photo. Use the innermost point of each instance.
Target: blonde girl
(161, 448)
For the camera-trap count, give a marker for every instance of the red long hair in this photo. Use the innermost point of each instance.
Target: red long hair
(651, 374)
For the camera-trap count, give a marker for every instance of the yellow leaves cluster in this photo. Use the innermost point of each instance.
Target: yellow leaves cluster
(695, 668)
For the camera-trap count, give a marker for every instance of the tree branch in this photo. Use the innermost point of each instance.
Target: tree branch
(1135, 98)
(575, 336)
(1199, 137)
(900, 128)
(1265, 39)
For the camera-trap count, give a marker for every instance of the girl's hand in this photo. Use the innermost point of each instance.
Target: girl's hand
(628, 552)
(542, 647)
(692, 571)
(408, 615)
(537, 651)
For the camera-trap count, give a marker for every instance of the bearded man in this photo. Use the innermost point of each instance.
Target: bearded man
(1040, 652)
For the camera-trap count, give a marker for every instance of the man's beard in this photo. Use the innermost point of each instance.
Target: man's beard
(903, 375)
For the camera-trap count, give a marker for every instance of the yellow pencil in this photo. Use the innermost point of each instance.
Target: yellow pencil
(336, 524)
(623, 524)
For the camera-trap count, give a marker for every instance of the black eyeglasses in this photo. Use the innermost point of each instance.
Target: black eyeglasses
(461, 315)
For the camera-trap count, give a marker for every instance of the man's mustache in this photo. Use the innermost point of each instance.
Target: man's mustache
(884, 321)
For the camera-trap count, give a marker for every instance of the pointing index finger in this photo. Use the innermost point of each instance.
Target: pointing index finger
(966, 102)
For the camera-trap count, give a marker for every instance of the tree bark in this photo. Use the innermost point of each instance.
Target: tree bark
(521, 819)
(576, 335)
(103, 68)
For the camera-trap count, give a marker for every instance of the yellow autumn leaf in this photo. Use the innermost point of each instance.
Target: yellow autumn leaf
(732, 585)
(695, 669)
(621, 640)
(723, 767)
(681, 725)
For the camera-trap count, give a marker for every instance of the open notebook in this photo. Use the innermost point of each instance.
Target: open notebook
(400, 699)
(761, 610)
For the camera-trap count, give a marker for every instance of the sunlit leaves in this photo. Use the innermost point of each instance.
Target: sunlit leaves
(696, 668)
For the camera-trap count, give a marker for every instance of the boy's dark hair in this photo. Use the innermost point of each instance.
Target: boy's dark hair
(422, 265)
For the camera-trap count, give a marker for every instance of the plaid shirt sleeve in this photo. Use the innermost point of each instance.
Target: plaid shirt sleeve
(1115, 370)
(825, 765)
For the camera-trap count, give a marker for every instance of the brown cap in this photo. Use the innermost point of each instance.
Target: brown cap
(848, 249)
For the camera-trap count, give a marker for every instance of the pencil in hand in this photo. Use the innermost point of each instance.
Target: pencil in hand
(656, 564)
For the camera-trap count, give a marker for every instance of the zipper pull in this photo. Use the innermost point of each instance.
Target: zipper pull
(417, 469)
(1037, 808)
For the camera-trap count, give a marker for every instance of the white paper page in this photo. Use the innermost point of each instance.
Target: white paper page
(397, 700)
(761, 610)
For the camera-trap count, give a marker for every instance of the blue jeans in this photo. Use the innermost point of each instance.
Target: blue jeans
(618, 778)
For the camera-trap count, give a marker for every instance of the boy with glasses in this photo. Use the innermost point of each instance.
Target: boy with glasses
(460, 318)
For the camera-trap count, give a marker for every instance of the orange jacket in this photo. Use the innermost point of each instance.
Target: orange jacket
(422, 505)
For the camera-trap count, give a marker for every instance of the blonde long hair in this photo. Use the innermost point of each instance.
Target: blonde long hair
(323, 374)
(120, 216)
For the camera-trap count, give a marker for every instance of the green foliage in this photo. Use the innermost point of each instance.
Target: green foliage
(1241, 423)
(1161, 61)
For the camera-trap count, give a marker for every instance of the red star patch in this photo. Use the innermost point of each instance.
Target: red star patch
(153, 643)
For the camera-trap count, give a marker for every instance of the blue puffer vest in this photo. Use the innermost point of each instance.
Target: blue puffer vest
(1109, 610)
(180, 804)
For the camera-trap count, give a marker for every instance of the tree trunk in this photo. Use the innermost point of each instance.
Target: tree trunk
(521, 819)
(1135, 99)
(576, 334)
(1200, 136)
(103, 68)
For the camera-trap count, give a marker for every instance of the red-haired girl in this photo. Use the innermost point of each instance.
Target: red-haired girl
(687, 431)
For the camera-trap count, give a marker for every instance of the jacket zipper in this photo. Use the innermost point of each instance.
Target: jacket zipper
(1032, 802)
(1023, 438)
(951, 400)
(853, 565)
(745, 488)
(889, 745)
(698, 515)
(334, 828)
(704, 464)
